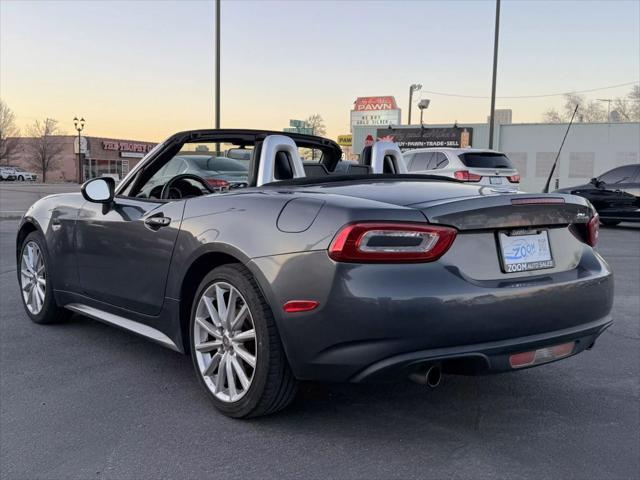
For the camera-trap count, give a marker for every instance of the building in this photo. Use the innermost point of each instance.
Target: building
(503, 116)
(100, 157)
(590, 149)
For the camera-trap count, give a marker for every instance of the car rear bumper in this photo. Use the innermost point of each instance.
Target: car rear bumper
(383, 321)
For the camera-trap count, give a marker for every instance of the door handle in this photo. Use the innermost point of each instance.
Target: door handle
(157, 221)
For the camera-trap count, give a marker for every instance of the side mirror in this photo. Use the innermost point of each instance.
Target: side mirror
(594, 181)
(99, 190)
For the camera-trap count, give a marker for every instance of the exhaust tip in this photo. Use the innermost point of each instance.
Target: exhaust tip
(434, 376)
(431, 377)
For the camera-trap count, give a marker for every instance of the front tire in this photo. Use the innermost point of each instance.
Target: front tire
(36, 289)
(235, 346)
(21, 178)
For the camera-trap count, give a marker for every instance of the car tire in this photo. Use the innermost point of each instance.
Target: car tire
(215, 340)
(21, 178)
(610, 223)
(45, 310)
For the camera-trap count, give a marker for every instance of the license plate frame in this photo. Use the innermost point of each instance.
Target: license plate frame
(534, 250)
(495, 180)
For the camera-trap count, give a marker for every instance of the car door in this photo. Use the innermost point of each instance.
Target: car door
(614, 196)
(124, 251)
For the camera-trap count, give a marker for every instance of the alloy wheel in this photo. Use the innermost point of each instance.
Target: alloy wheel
(33, 277)
(225, 342)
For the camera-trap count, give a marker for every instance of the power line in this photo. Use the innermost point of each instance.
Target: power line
(532, 96)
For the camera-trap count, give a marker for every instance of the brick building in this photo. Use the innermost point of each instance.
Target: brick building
(99, 156)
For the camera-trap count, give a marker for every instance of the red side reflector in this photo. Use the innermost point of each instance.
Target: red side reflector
(542, 355)
(294, 306)
(514, 178)
(537, 200)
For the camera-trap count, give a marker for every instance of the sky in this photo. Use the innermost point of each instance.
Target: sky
(143, 70)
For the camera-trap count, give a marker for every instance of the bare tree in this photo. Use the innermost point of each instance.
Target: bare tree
(627, 107)
(316, 122)
(8, 133)
(44, 147)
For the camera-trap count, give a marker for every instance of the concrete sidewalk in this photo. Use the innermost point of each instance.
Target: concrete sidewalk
(16, 198)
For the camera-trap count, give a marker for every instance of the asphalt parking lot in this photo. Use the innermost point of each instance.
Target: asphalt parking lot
(84, 400)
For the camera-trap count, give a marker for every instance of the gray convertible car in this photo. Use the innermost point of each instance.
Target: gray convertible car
(314, 272)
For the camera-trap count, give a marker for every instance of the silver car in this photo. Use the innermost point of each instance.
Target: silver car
(479, 166)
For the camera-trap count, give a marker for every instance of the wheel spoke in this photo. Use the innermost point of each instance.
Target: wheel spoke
(245, 336)
(209, 327)
(245, 355)
(215, 361)
(240, 373)
(230, 378)
(209, 346)
(222, 369)
(213, 313)
(240, 317)
(231, 306)
(42, 281)
(222, 308)
(36, 296)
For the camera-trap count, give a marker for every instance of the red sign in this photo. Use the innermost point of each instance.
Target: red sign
(375, 103)
(126, 146)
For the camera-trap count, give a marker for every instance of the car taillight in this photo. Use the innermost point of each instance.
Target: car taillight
(514, 178)
(391, 242)
(466, 176)
(593, 230)
(217, 183)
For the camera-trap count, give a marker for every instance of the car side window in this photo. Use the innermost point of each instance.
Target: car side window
(421, 161)
(407, 161)
(619, 175)
(440, 161)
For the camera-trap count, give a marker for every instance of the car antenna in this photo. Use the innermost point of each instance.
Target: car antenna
(553, 168)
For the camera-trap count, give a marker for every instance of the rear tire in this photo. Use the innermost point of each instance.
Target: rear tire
(36, 289)
(21, 178)
(223, 350)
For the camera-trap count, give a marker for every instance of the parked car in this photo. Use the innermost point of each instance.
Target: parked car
(484, 167)
(614, 194)
(23, 175)
(221, 173)
(332, 277)
(7, 174)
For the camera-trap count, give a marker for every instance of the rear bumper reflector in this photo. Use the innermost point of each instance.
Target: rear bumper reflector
(542, 355)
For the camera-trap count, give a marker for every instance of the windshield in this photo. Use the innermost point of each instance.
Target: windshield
(485, 160)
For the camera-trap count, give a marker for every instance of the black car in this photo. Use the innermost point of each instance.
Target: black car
(614, 194)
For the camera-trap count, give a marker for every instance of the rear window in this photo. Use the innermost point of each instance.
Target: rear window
(485, 160)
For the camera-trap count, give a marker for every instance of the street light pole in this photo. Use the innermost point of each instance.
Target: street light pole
(423, 105)
(495, 71)
(412, 88)
(79, 126)
(608, 100)
(218, 63)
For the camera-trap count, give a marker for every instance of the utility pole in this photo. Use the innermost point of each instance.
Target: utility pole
(495, 71)
(608, 100)
(217, 71)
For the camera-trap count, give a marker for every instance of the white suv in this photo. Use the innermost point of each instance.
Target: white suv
(484, 167)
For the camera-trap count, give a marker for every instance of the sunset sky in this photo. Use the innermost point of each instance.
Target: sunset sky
(143, 70)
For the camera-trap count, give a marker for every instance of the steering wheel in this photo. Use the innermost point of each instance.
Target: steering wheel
(166, 190)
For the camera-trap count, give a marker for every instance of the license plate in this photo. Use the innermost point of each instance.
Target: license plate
(524, 252)
(495, 180)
